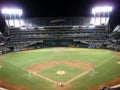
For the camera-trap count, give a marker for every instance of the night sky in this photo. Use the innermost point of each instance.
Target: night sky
(62, 8)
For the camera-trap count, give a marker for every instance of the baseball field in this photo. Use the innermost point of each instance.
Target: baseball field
(60, 68)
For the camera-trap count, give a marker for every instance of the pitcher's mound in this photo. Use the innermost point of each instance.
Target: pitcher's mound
(0, 66)
(60, 72)
(118, 62)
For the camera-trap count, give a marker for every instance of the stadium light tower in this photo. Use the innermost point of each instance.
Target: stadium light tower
(12, 12)
(97, 11)
(101, 9)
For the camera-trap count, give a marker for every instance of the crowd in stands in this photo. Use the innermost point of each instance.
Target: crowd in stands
(4, 49)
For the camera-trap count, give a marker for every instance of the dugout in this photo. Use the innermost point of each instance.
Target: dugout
(58, 42)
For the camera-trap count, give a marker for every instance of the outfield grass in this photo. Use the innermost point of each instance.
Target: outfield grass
(14, 67)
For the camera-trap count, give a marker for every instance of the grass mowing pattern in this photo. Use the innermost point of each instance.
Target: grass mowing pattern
(70, 72)
(13, 66)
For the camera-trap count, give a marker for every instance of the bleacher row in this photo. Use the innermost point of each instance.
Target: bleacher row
(4, 49)
(36, 30)
(19, 37)
(115, 39)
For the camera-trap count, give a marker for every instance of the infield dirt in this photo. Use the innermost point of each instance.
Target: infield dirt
(77, 64)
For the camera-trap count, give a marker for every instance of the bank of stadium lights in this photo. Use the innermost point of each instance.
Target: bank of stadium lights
(101, 15)
(102, 9)
(11, 11)
(12, 14)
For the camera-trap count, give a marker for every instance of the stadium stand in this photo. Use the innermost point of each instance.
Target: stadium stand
(117, 29)
(3, 25)
(3, 49)
(115, 39)
(87, 32)
(58, 32)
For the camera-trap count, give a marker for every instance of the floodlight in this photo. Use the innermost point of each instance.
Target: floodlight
(12, 11)
(101, 9)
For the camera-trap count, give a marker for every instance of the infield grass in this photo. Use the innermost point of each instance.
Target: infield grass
(51, 73)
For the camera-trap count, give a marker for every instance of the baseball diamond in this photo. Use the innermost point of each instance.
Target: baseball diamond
(77, 65)
(59, 53)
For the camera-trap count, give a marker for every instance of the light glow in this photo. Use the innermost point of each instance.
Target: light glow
(12, 11)
(11, 23)
(99, 20)
(101, 9)
(15, 22)
(22, 22)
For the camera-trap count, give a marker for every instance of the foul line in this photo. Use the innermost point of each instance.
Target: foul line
(105, 60)
(34, 73)
(41, 76)
(80, 75)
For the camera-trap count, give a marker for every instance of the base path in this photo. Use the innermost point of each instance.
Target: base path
(44, 77)
(80, 75)
(77, 64)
